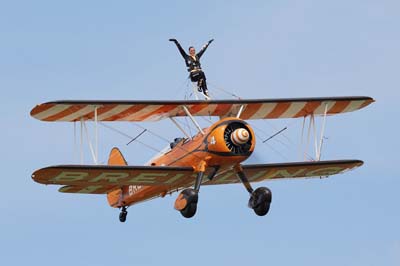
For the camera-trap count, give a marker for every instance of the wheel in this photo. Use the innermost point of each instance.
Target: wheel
(122, 215)
(190, 210)
(191, 196)
(260, 200)
(262, 209)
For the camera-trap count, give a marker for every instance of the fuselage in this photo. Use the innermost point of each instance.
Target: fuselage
(223, 145)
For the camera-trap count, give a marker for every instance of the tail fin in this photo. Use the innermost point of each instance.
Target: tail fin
(115, 158)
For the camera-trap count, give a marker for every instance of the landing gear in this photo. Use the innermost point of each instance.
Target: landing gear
(123, 214)
(187, 200)
(260, 199)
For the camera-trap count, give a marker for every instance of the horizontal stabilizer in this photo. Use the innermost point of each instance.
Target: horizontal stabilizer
(70, 111)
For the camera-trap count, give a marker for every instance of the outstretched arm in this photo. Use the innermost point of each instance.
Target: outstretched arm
(204, 48)
(184, 55)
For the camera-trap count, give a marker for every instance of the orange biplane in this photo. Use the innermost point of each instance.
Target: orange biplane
(213, 156)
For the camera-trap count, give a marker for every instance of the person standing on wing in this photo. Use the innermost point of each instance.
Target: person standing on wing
(193, 64)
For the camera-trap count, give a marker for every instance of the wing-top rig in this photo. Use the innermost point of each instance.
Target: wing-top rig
(213, 156)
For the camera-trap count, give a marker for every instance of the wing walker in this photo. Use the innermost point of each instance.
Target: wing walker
(213, 156)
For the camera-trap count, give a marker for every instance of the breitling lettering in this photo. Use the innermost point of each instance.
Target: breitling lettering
(89, 189)
(69, 177)
(110, 177)
(126, 178)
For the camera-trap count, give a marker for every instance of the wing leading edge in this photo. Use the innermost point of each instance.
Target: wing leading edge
(70, 111)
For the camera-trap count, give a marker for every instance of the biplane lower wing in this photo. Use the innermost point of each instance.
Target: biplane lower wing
(71, 111)
(101, 179)
(88, 189)
(261, 172)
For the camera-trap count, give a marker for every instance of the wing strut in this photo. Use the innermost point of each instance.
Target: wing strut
(94, 149)
(82, 121)
(193, 120)
(180, 128)
(322, 133)
(96, 136)
(312, 128)
(240, 111)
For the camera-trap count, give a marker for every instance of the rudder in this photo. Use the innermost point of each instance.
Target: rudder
(115, 158)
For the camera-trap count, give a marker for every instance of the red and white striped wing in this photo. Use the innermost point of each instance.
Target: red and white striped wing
(69, 111)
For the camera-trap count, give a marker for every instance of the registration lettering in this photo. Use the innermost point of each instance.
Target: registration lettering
(133, 189)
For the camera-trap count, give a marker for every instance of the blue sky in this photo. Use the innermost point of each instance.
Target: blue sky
(53, 50)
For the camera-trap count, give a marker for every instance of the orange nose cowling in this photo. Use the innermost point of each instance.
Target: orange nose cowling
(240, 136)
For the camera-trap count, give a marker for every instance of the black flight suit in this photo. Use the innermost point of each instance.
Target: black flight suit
(194, 67)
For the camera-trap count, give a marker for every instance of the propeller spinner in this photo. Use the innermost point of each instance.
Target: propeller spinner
(240, 136)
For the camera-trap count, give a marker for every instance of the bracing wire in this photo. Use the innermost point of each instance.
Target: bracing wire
(129, 137)
(152, 132)
(224, 91)
(182, 86)
(163, 138)
(208, 120)
(273, 149)
(289, 143)
(135, 138)
(276, 129)
(287, 146)
(274, 135)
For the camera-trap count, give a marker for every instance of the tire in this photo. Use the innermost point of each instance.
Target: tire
(262, 209)
(260, 201)
(190, 210)
(122, 216)
(192, 198)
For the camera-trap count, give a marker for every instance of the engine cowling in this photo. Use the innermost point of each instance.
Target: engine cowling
(232, 137)
(237, 138)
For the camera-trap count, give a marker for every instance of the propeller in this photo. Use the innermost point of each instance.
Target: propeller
(237, 138)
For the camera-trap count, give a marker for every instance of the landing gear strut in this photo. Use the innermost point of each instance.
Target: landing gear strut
(123, 214)
(187, 200)
(260, 199)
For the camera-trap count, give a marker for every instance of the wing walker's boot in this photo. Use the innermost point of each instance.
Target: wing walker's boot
(203, 88)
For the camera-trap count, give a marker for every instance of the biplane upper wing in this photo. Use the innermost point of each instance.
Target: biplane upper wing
(70, 111)
(102, 179)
